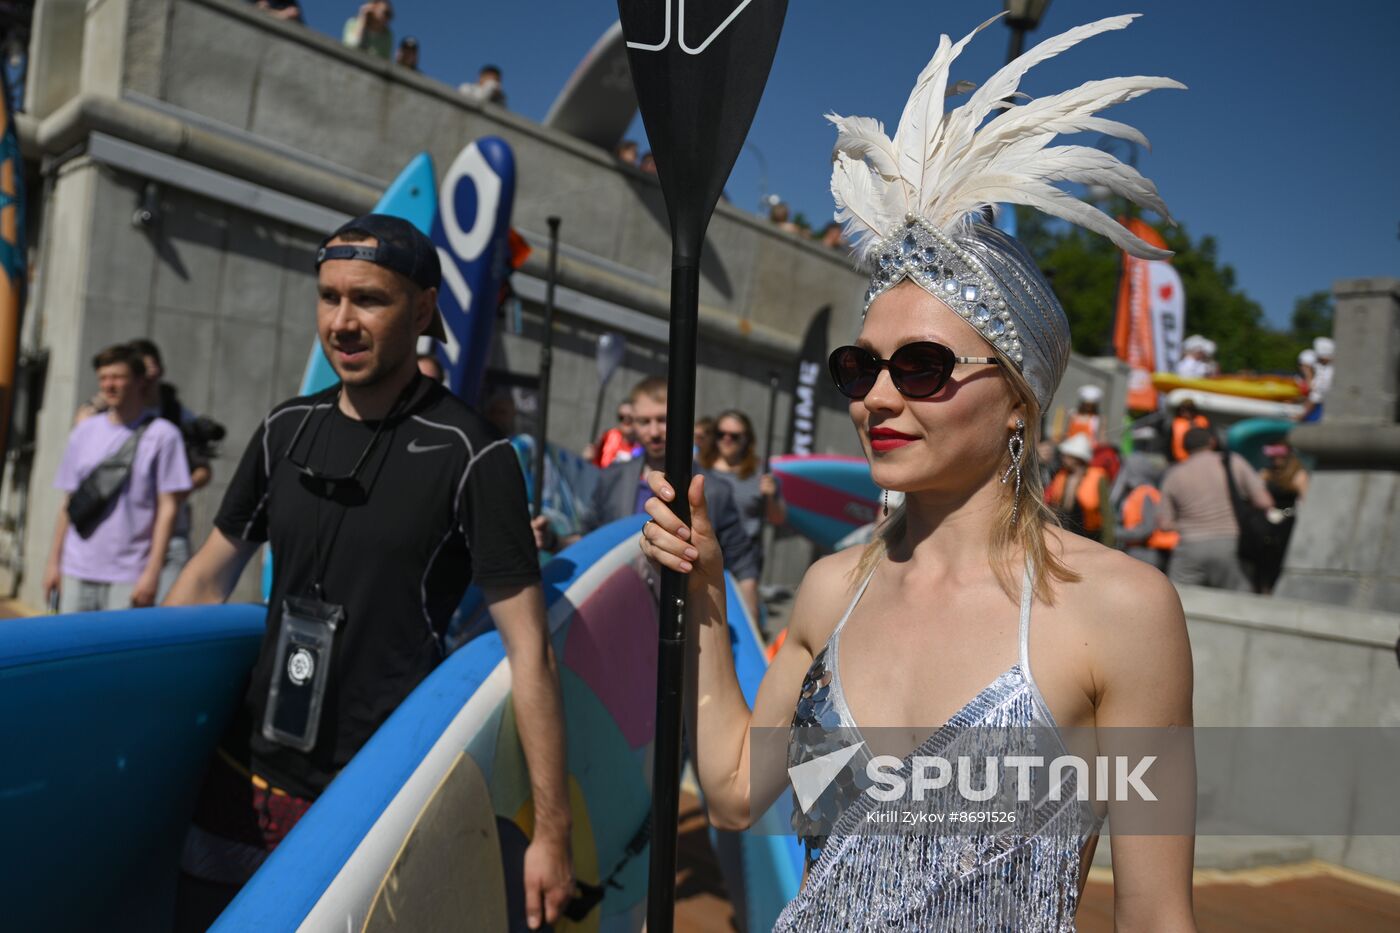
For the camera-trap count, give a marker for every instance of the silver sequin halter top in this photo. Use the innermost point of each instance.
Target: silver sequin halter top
(1020, 878)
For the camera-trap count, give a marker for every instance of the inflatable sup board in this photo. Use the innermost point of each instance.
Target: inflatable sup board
(1248, 438)
(1234, 406)
(827, 496)
(1268, 388)
(569, 481)
(110, 721)
(427, 825)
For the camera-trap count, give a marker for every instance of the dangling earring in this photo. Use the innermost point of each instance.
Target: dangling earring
(885, 498)
(1015, 445)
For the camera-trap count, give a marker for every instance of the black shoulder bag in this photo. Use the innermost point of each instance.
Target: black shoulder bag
(87, 506)
(1257, 533)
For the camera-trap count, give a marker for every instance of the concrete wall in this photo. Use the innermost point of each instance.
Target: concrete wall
(1266, 661)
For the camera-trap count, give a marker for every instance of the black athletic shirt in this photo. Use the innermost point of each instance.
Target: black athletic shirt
(438, 503)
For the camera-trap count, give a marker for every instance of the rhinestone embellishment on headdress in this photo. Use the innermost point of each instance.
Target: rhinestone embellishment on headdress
(940, 267)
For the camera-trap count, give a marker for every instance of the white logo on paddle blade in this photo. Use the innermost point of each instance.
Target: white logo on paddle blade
(680, 15)
(413, 447)
(811, 778)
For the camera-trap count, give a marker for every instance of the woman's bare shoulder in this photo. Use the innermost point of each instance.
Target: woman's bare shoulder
(1117, 596)
(826, 589)
(1134, 632)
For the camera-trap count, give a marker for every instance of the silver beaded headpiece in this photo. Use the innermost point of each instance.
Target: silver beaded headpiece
(945, 270)
(912, 205)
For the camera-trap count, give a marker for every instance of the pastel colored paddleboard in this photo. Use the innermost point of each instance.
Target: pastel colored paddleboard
(365, 837)
(827, 496)
(110, 720)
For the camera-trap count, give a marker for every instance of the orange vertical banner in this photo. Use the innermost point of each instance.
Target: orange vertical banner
(1133, 331)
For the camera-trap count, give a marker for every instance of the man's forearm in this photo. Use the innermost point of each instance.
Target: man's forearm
(519, 615)
(167, 507)
(213, 572)
(539, 712)
(60, 531)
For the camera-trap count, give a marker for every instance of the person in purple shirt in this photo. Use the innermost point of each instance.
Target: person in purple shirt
(118, 563)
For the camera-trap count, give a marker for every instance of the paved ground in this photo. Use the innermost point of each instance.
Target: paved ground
(14, 609)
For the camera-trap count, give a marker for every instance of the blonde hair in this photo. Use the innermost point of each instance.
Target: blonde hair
(1028, 535)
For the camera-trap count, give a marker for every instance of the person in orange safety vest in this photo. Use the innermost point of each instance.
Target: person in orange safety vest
(1187, 417)
(1087, 420)
(1079, 493)
(1138, 494)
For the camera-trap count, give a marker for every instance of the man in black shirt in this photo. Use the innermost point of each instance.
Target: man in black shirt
(382, 498)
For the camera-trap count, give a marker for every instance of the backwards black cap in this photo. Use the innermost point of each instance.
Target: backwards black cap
(400, 247)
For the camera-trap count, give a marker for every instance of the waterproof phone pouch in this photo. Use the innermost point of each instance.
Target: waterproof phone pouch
(300, 672)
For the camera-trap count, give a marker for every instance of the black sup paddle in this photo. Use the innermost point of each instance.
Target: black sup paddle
(699, 71)
(546, 369)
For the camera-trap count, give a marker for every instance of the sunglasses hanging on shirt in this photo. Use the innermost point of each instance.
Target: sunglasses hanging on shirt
(330, 482)
(918, 370)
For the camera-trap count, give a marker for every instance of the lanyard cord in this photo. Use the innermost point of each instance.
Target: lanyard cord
(322, 559)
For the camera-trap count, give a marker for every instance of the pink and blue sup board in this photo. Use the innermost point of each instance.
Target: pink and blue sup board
(827, 496)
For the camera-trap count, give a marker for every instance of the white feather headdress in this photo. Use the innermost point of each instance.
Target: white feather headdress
(939, 167)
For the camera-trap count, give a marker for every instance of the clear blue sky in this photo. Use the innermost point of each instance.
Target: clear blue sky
(1285, 148)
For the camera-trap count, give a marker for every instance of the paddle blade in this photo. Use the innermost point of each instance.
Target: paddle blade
(699, 69)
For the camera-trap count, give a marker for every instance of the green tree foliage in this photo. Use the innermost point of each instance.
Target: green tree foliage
(1312, 317)
(1084, 269)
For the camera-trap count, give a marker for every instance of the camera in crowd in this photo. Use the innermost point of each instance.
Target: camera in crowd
(202, 435)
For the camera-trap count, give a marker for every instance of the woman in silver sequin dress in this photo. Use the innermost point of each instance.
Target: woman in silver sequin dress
(972, 618)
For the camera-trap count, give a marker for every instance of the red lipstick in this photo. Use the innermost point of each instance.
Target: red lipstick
(883, 439)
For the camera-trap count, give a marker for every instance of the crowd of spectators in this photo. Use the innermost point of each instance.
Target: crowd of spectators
(370, 31)
(1180, 500)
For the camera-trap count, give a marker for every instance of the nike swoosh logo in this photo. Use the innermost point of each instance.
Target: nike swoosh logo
(413, 447)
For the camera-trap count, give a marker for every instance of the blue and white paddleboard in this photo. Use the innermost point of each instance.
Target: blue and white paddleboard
(471, 231)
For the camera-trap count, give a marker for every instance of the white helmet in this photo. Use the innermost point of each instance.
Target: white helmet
(1307, 358)
(1090, 393)
(1077, 446)
(1324, 347)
